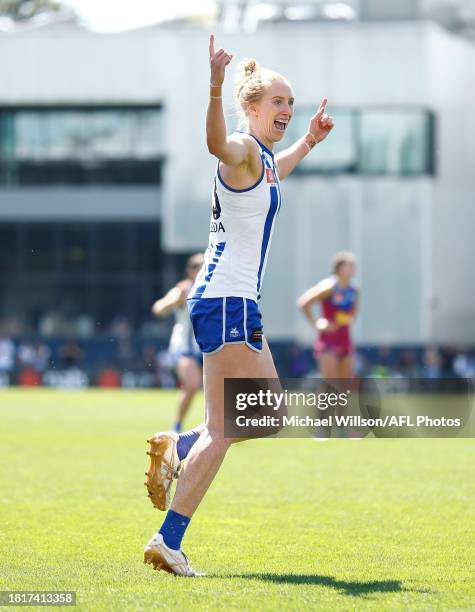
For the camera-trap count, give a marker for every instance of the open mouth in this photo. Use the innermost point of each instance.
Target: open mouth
(281, 124)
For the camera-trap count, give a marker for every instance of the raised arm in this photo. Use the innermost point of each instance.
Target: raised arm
(172, 300)
(316, 294)
(230, 150)
(320, 126)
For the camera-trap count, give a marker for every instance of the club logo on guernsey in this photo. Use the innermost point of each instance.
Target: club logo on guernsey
(270, 176)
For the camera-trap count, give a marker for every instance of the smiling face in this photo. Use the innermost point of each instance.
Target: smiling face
(270, 116)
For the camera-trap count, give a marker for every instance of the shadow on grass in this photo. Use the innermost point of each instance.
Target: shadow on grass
(353, 588)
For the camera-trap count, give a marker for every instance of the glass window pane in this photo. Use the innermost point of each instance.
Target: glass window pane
(81, 146)
(395, 141)
(76, 248)
(8, 250)
(48, 135)
(113, 251)
(147, 134)
(40, 248)
(148, 247)
(110, 134)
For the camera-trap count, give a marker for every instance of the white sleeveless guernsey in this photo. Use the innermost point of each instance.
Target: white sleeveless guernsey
(182, 340)
(241, 228)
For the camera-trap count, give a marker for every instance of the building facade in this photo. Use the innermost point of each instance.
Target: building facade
(105, 179)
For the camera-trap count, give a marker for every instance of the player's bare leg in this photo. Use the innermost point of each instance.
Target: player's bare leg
(346, 367)
(190, 377)
(207, 454)
(328, 362)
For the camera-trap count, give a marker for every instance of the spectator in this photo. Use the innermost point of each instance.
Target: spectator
(120, 328)
(71, 354)
(432, 365)
(26, 354)
(448, 356)
(408, 365)
(464, 365)
(42, 356)
(7, 353)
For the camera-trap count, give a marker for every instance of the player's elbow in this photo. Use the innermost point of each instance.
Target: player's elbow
(213, 146)
(157, 309)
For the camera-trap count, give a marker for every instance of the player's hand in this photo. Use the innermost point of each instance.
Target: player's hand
(218, 61)
(321, 124)
(324, 325)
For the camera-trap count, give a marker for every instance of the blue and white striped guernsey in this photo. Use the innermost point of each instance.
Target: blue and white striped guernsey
(242, 223)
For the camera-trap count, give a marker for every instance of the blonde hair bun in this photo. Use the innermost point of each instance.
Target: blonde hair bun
(249, 67)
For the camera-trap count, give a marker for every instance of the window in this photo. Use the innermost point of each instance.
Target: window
(395, 142)
(66, 146)
(39, 254)
(8, 250)
(378, 141)
(72, 271)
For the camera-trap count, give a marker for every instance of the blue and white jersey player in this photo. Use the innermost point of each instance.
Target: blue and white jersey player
(223, 300)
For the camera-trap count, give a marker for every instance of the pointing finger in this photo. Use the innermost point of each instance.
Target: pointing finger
(321, 110)
(211, 45)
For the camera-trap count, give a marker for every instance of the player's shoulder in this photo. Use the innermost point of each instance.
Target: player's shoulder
(246, 140)
(327, 284)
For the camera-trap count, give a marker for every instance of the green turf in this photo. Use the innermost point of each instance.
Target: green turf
(288, 524)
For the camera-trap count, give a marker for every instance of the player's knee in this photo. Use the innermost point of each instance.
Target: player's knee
(190, 388)
(217, 437)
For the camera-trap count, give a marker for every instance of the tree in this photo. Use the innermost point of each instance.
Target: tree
(22, 10)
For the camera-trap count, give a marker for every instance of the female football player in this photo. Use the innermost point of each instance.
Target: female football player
(338, 297)
(223, 301)
(183, 348)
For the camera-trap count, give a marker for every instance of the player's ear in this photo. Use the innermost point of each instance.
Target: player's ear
(252, 110)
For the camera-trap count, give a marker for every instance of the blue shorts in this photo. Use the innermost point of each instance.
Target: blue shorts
(226, 320)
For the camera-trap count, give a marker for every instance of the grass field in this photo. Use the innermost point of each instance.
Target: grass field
(288, 524)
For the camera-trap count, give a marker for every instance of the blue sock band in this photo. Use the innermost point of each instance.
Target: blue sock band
(185, 442)
(173, 529)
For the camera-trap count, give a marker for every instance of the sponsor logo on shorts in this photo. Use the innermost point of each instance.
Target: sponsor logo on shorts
(234, 333)
(256, 335)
